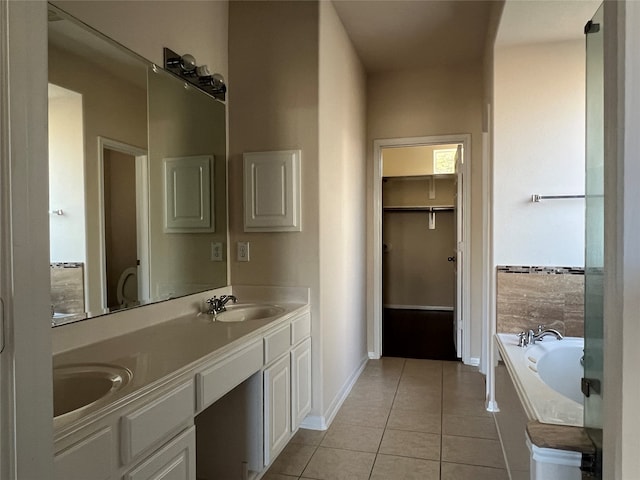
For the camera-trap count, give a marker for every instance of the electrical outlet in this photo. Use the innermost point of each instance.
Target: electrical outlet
(243, 251)
(216, 252)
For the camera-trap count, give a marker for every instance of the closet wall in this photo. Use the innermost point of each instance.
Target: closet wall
(416, 270)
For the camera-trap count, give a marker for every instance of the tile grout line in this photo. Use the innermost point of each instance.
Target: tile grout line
(504, 452)
(384, 429)
(441, 418)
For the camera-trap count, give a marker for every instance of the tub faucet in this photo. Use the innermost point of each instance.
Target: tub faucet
(530, 337)
(217, 305)
(544, 333)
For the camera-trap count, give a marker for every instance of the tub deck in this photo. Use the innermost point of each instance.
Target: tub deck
(540, 402)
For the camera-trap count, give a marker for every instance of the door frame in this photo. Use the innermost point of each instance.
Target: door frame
(26, 404)
(462, 244)
(142, 216)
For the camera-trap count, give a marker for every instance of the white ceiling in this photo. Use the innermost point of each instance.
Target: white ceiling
(408, 34)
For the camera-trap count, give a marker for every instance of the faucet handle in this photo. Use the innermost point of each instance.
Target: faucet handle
(522, 339)
(541, 328)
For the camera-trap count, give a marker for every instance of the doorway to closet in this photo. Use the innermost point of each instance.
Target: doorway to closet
(421, 199)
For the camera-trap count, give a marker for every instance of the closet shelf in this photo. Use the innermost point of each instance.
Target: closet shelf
(418, 208)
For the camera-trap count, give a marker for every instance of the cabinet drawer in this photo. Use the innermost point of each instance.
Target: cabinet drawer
(300, 328)
(221, 378)
(89, 459)
(175, 461)
(157, 420)
(276, 344)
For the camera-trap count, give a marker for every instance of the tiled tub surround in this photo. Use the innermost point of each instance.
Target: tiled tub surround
(530, 296)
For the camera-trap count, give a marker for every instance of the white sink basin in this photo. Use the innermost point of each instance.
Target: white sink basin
(77, 387)
(241, 313)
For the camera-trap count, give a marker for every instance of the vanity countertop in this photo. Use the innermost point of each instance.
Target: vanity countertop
(158, 353)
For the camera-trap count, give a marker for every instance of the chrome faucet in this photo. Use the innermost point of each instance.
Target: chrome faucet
(546, 332)
(530, 337)
(218, 305)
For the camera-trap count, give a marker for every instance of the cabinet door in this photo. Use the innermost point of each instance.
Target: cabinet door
(300, 383)
(277, 408)
(175, 461)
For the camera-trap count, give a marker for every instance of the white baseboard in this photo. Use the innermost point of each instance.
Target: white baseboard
(374, 356)
(419, 307)
(314, 422)
(474, 361)
(322, 422)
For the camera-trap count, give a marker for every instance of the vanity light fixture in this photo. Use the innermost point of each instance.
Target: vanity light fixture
(185, 67)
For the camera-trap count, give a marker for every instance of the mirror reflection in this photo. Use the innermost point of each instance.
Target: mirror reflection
(115, 125)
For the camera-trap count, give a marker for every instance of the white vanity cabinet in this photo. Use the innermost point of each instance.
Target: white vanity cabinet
(287, 384)
(147, 439)
(257, 390)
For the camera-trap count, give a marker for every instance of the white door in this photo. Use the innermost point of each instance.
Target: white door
(457, 333)
(142, 216)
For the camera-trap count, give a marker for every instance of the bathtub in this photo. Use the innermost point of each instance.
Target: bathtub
(546, 376)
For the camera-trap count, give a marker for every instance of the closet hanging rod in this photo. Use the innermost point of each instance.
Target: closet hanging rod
(537, 198)
(419, 208)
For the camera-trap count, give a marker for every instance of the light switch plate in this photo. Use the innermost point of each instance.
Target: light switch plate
(216, 252)
(243, 251)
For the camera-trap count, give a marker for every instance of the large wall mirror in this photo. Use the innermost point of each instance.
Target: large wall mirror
(137, 178)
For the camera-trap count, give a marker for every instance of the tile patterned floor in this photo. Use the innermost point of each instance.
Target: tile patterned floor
(404, 419)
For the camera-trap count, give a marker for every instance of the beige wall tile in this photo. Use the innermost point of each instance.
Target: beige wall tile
(525, 300)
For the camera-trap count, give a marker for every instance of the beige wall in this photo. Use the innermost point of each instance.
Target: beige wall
(415, 268)
(188, 26)
(342, 207)
(286, 59)
(273, 105)
(433, 101)
(184, 123)
(121, 247)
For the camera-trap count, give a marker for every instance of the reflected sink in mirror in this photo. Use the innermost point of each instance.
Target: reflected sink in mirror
(79, 386)
(241, 313)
